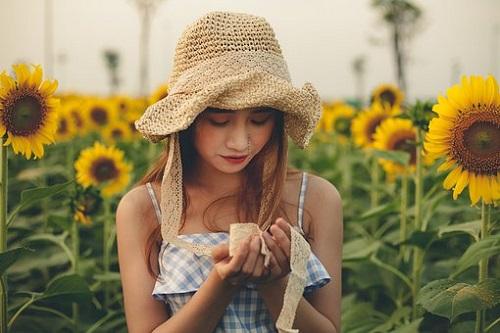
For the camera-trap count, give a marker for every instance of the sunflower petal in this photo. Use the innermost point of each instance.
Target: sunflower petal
(462, 182)
(452, 178)
(485, 189)
(36, 77)
(473, 188)
(22, 74)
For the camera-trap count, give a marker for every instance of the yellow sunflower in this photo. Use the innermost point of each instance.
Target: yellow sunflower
(65, 126)
(76, 112)
(396, 134)
(467, 134)
(100, 113)
(103, 167)
(28, 110)
(117, 131)
(159, 93)
(365, 124)
(388, 93)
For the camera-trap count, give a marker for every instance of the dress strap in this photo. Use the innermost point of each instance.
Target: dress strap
(155, 202)
(300, 218)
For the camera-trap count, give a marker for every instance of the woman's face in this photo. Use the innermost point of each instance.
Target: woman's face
(227, 140)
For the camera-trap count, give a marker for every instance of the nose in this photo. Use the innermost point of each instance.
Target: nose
(238, 139)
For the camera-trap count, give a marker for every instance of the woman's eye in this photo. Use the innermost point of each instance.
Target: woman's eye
(218, 123)
(260, 122)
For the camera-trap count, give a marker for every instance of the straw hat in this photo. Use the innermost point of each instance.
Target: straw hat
(230, 61)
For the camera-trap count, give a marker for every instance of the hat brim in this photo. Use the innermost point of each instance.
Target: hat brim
(244, 85)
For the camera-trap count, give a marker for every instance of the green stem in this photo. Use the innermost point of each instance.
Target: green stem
(106, 254)
(346, 155)
(418, 254)
(483, 263)
(374, 194)
(3, 235)
(391, 269)
(403, 232)
(75, 236)
(21, 309)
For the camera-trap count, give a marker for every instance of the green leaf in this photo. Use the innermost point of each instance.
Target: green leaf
(381, 210)
(71, 288)
(361, 318)
(449, 298)
(396, 317)
(400, 157)
(30, 196)
(472, 228)
(360, 248)
(485, 248)
(110, 276)
(9, 257)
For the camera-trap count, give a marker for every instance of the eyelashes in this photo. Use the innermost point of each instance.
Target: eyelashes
(223, 123)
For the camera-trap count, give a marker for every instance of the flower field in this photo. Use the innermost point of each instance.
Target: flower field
(419, 180)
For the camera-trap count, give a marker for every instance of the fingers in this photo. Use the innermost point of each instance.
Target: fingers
(281, 238)
(253, 255)
(236, 263)
(219, 252)
(280, 256)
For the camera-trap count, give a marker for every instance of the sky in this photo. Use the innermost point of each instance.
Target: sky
(319, 38)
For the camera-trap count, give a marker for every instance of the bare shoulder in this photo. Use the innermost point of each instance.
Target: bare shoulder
(320, 192)
(135, 205)
(324, 204)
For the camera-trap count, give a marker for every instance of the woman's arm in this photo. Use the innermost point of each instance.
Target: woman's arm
(319, 312)
(145, 314)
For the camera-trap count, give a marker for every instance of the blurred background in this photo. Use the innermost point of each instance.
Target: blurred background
(321, 40)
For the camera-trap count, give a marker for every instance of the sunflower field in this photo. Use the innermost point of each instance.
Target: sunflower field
(419, 180)
(420, 185)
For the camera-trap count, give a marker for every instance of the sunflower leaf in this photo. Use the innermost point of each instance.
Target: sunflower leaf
(9, 257)
(360, 248)
(450, 298)
(71, 287)
(472, 228)
(483, 249)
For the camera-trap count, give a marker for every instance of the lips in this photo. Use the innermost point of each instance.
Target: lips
(235, 159)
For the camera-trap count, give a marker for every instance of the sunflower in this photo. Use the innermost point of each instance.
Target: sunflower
(387, 93)
(394, 134)
(365, 124)
(28, 110)
(159, 93)
(76, 113)
(103, 167)
(66, 128)
(100, 113)
(117, 131)
(467, 134)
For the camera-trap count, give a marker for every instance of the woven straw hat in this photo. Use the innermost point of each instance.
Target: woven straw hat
(231, 61)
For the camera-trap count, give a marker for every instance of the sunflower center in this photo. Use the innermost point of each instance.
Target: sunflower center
(77, 119)
(475, 141)
(388, 97)
(63, 126)
(117, 133)
(99, 115)
(372, 126)
(343, 126)
(25, 114)
(403, 143)
(104, 169)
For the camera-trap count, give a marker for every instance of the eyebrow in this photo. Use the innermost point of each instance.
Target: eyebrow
(223, 111)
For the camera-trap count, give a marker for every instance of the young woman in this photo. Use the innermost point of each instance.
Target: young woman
(226, 120)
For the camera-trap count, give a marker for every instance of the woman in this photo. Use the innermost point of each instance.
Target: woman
(226, 119)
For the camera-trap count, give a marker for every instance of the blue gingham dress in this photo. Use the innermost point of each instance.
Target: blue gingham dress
(182, 273)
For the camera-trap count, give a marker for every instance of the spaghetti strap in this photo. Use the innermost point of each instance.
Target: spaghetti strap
(300, 217)
(155, 202)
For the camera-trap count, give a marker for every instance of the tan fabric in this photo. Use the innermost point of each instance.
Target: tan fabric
(231, 61)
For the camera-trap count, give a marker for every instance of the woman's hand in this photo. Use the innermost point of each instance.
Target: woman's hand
(247, 264)
(278, 242)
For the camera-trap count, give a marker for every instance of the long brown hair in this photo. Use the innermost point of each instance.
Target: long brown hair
(247, 200)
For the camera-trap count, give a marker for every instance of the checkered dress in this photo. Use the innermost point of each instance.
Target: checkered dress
(182, 273)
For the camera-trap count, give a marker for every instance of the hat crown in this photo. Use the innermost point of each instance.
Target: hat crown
(219, 33)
